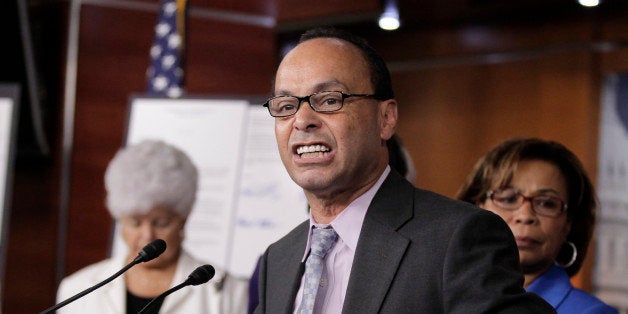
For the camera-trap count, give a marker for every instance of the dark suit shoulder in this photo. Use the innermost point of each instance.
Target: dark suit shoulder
(436, 206)
(435, 216)
(428, 200)
(281, 270)
(398, 201)
(446, 256)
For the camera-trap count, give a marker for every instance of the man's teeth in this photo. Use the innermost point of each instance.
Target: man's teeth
(312, 149)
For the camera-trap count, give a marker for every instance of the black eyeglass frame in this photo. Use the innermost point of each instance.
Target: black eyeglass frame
(490, 194)
(300, 100)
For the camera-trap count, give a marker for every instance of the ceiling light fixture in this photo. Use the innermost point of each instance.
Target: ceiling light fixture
(389, 20)
(589, 3)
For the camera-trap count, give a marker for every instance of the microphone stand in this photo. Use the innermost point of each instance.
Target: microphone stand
(162, 296)
(148, 252)
(200, 275)
(88, 290)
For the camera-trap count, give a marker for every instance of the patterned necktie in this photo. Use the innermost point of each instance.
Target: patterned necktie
(322, 241)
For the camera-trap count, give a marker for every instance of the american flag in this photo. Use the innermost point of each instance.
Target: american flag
(165, 74)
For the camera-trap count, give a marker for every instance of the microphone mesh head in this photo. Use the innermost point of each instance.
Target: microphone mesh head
(201, 274)
(152, 250)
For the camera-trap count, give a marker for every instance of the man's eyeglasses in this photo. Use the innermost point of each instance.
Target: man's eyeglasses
(511, 199)
(284, 106)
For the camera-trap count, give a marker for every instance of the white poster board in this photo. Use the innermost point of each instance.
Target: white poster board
(611, 266)
(9, 102)
(246, 200)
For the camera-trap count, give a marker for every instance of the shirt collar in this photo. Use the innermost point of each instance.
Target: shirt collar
(553, 286)
(348, 223)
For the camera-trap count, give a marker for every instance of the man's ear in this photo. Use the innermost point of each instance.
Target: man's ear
(388, 118)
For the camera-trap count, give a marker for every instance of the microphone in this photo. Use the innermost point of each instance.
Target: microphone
(200, 275)
(148, 252)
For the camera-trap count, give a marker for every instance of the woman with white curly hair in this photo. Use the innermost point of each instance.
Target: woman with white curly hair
(151, 188)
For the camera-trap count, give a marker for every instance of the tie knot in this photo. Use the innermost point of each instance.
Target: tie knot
(322, 240)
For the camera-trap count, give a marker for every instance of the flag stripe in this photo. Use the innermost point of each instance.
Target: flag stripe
(165, 74)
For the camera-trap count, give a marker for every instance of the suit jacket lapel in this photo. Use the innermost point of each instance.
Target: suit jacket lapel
(285, 271)
(380, 248)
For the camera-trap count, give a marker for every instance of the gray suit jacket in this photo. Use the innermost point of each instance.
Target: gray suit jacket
(418, 252)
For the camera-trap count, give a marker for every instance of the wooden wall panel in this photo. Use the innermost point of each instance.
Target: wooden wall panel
(478, 85)
(110, 67)
(227, 59)
(615, 30)
(461, 111)
(453, 115)
(463, 90)
(254, 7)
(325, 10)
(222, 59)
(28, 282)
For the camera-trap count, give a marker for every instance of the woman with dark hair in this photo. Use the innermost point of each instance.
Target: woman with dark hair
(543, 193)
